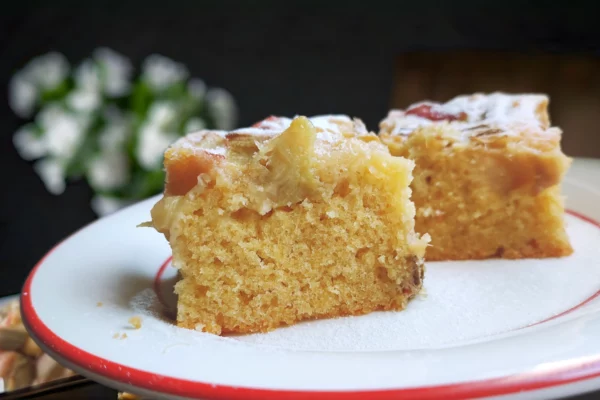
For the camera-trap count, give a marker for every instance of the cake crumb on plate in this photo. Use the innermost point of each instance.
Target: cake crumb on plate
(136, 322)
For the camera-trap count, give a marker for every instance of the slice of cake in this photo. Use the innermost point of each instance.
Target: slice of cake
(487, 176)
(286, 221)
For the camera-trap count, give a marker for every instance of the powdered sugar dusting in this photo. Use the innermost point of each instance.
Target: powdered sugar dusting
(497, 109)
(256, 131)
(329, 128)
(209, 141)
(146, 302)
(221, 151)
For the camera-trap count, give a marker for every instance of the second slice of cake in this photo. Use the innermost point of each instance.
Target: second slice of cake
(487, 176)
(286, 221)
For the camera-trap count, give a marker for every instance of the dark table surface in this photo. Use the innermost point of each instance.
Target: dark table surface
(91, 390)
(285, 58)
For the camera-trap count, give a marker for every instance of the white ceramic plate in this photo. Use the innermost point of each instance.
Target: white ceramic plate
(524, 329)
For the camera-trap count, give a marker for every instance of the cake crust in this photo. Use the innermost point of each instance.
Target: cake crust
(286, 221)
(487, 176)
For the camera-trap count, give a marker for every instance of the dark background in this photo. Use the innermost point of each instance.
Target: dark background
(276, 57)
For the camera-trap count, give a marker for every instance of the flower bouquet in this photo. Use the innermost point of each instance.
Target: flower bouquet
(101, 122)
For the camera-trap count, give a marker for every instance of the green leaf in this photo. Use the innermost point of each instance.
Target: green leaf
(58, 93)
(141, 98)
(175, 92)
(90, 146)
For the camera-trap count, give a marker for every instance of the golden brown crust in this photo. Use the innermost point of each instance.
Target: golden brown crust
(268, 325)
(248, 237)
(486, 189)
(183, 168)
(409, 290)
(525, 251)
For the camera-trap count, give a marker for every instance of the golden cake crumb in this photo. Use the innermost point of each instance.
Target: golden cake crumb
(99, 304)
(487, 176)
(136, 322)
(127, 396)
(286, 221)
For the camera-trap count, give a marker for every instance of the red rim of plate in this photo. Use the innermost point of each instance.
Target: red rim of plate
(574, 371)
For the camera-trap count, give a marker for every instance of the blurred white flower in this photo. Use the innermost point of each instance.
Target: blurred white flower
(29, 144)
(108, 170)
(117, 72)
(194, 125)
(197, 88)
(104, 205)
(64, 134)
(108, 72)
(152, 143)
(222, 106)
(52, 174)
(87, 76)
(48, 115)
(162, 114)
(83, 100)
(22, 95)
(48, 71)
(155, 135)
(115, 132)
(161, 72)
(68, 118)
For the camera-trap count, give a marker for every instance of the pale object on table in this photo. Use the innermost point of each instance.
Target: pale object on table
(12, 339)
(22, 362)
(22, 373)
